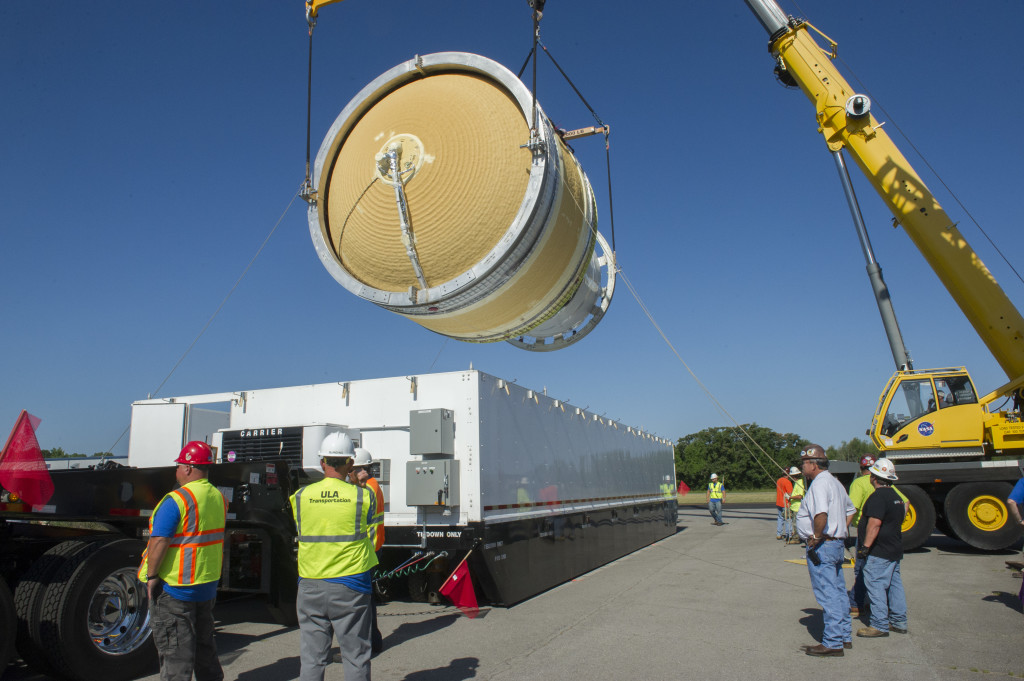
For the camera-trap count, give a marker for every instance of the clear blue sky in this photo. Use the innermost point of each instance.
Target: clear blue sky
(147, 150)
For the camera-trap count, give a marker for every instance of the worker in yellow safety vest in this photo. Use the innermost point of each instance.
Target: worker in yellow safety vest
(333, 519)
(715, 497)
(795, 498)
(181, 568)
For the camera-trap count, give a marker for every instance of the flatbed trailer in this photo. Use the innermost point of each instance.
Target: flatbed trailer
(534, 490)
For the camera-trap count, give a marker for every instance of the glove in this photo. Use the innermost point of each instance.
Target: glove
(863, 551)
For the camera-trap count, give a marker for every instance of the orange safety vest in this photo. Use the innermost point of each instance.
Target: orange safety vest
(196, 552)
(377, 530)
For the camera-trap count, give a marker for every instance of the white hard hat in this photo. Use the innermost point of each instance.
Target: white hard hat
(714, 476)
(884, 469)
(793, 470)
(363, 457)
(337, 444)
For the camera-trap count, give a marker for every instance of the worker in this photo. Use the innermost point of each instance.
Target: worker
(822, 521)
(1014, 503)
(860, 489)
(715, 496)
(795, 498)
(361, 475)
(333, 518)
(880, 544)
(783, 489)
(181, 568)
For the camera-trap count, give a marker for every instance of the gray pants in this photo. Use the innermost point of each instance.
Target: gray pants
(325, 607)
(183, 634)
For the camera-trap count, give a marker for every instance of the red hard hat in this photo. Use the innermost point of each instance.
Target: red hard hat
(867, 461)
(195, 453)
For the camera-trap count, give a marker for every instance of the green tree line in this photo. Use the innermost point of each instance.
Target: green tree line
(741, 464)
(59, 453)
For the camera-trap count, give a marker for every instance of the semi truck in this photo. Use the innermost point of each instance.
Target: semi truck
(534, 490)
(955, 447)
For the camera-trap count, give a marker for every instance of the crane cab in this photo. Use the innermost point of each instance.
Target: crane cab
(929, 413)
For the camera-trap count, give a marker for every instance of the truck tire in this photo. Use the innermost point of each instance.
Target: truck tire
(28, 597)
(95, 621)
(919, 522)
(8, 626)
(977, 513)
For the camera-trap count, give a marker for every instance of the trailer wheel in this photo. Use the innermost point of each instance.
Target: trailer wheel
(919, 522)
(96, 622)
(8, 626)
(978, 515)
(28, 598)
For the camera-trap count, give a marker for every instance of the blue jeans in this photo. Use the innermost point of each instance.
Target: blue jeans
(783, 525)
(829, 588)
(857, 593)
(885, 593)
(715, 506)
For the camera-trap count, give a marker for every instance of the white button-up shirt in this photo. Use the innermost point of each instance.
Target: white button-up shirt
(825, 494)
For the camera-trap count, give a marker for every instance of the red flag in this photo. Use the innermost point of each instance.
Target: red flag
(22, 469)
(683, 487)
(458, 588)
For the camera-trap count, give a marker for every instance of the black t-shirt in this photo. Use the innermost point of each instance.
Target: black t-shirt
(887, 506)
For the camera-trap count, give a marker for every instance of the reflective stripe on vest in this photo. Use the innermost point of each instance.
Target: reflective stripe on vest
(332, 519)
(716, 490)
(195, 552)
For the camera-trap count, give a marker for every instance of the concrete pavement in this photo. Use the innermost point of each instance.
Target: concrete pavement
(708, 603)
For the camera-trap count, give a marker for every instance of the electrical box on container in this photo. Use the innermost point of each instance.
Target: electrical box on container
(432, 432)
(433, 482)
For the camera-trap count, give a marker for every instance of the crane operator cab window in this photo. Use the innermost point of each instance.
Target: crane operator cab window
(918, 397)
(954, 390)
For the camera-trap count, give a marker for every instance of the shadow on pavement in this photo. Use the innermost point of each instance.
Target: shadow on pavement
(814, 620)
(1010, 600)
(410, 630)
(287, 668)
(457, 670)
(944, 544)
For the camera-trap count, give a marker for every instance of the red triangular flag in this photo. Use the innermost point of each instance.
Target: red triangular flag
(683, 487)
(22, 468)
(458, 588)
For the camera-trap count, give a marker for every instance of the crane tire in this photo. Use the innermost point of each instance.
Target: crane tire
(942, 524)
(978, 514)
(95, 618)
(920, 519)
(8, 625)
(28, 596)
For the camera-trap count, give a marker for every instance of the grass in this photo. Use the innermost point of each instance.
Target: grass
(753, 496)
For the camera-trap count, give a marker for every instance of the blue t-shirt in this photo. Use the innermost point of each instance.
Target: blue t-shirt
(165, 522)
(361, 583)
(1017, 495)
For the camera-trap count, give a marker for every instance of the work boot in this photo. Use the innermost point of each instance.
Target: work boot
(897, 630)
(871, 632)
(821, 651)
(848, 645)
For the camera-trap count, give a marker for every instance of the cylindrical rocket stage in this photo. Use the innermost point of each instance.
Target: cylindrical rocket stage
(432, 202)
